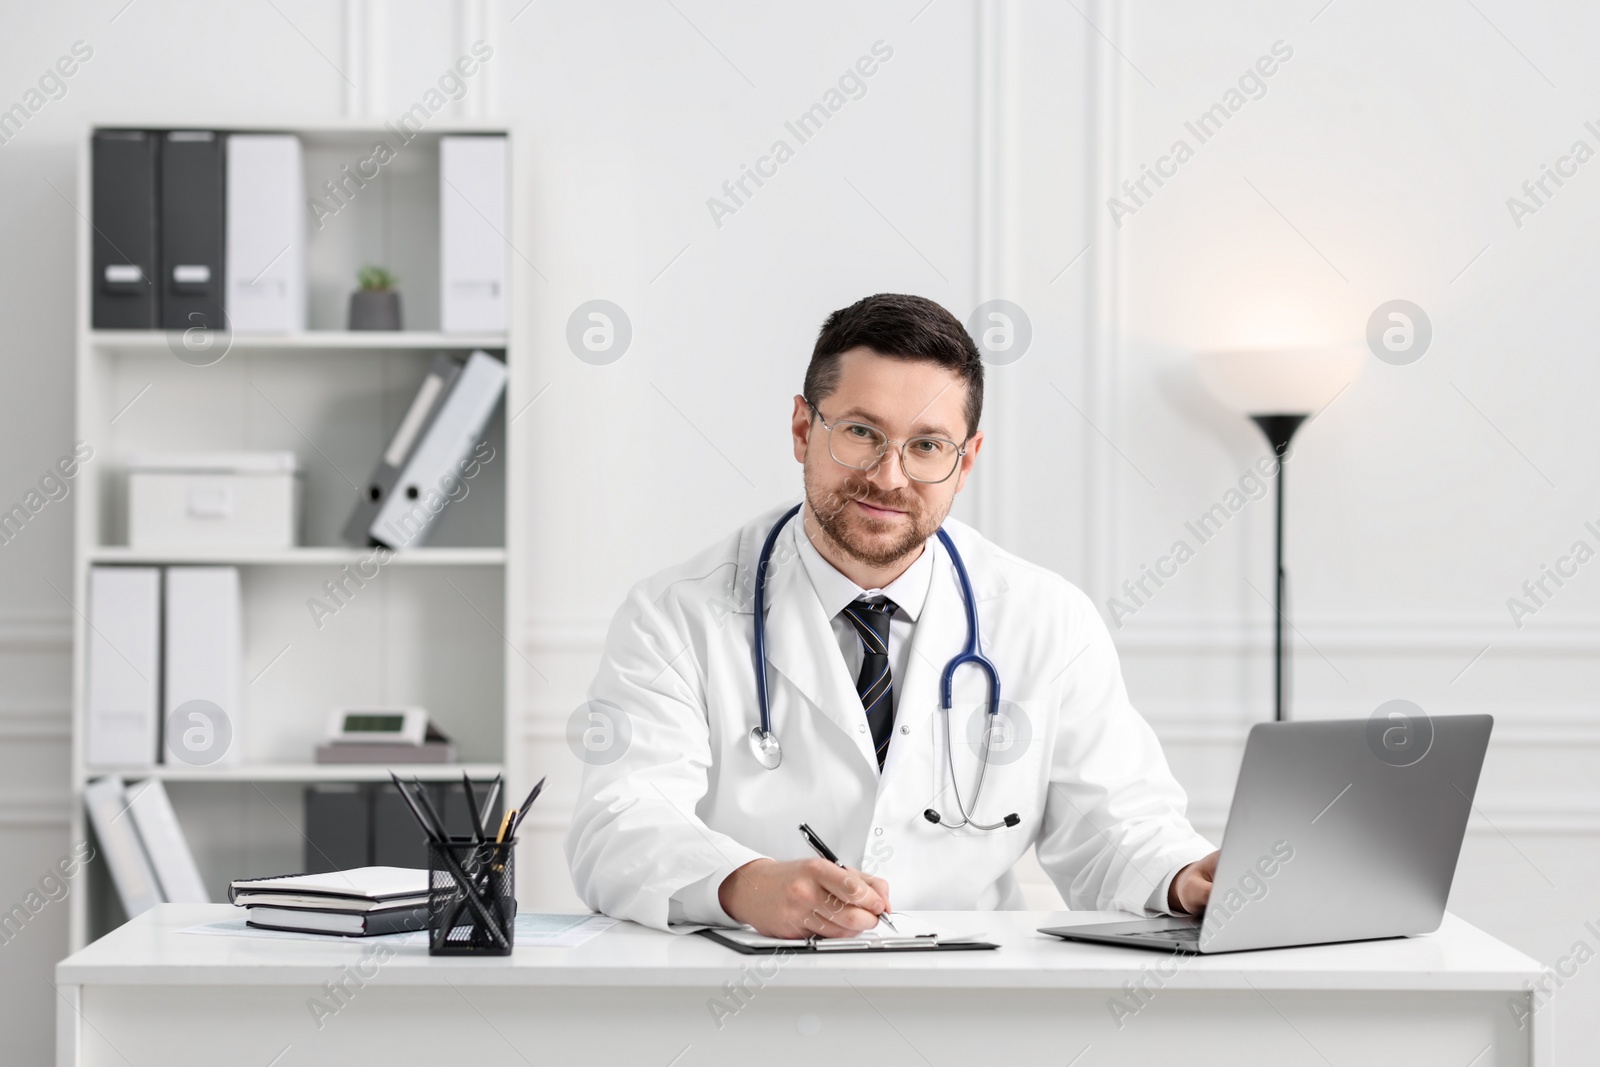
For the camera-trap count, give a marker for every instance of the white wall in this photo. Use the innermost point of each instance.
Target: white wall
(975, 166)
(1377, 166)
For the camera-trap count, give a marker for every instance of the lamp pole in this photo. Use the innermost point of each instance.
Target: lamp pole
(1279, 431)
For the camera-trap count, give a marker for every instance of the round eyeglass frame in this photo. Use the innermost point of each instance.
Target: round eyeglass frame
(883, 450)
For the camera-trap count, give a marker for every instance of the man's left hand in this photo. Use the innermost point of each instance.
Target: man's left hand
(1191, 889)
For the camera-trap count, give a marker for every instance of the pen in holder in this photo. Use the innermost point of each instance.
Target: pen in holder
(471, 897)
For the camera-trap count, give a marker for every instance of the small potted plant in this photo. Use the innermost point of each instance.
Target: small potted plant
(376, 305)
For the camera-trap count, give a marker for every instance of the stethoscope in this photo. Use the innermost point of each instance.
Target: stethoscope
(764, 743)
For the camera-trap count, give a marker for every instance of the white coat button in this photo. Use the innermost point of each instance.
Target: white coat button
(862, 728)
(878, 830)
(905, 729)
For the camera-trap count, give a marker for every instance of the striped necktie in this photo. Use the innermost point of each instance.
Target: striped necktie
(870, 617)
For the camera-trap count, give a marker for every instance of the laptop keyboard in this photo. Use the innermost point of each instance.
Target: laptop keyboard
(1189, 934)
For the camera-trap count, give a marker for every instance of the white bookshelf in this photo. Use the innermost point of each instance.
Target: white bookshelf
(316, 340)
(298, 557)
(433, 629)
(309, 772)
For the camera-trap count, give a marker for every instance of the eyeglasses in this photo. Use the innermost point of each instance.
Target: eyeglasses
(862, 447)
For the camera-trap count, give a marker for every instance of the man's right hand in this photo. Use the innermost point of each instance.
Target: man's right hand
(799, 898)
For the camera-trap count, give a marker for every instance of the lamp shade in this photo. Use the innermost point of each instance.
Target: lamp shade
(1279, 381)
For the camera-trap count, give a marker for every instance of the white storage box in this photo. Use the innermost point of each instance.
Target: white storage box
(214, 499)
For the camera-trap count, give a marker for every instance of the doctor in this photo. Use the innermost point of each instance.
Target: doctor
(681, 822)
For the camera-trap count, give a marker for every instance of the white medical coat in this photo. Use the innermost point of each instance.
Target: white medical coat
(679, 802)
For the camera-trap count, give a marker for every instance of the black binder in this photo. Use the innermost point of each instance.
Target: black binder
(126, 261)
(338, 827)
(192, 230)
(397, 840)
(458, 814)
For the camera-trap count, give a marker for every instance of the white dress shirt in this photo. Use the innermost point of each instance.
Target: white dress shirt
(909, 592)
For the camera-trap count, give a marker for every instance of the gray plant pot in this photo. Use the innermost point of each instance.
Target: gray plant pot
(375, 309)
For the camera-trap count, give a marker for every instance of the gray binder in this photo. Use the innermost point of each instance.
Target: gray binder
(407, 515)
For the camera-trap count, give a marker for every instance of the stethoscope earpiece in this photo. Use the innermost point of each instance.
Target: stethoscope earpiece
(938, 820)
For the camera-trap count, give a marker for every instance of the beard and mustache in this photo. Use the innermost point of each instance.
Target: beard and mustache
(853, 531)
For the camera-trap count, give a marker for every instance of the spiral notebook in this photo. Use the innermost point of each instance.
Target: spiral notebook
(360, 883)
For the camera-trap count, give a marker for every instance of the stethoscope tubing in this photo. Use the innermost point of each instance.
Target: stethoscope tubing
(972, 653)
(761, 618)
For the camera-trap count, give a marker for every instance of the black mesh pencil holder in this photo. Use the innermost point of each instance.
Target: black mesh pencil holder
(471, 897)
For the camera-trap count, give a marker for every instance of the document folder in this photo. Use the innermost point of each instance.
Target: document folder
(474, 231)
(127, 275)
(204, 653)
(435, 467)
(191, 230)
(425, 407)
(124, 686)
(165, 845)
(118, 836)
(266, 234)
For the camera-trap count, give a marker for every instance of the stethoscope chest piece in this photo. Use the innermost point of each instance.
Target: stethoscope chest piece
(764, 743)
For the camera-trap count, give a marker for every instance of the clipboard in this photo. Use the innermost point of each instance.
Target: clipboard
(828, 945)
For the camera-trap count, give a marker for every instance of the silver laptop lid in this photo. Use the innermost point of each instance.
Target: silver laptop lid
(1344, 829)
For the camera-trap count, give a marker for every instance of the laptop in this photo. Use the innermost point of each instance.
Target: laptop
(1340, 830)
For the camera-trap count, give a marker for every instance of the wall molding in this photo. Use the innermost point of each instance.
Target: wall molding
(35, 633)
(35, 807)
(1385, 635)
(50, 723)
(1218, 724)
(1379, 635)
(1492, 818)
(1219, 729)
(1102, 301)
(565, 635)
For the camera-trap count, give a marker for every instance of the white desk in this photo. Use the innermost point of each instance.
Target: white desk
(146, 994)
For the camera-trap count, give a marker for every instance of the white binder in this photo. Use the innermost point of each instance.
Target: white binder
(114, 827)
(124, 666)
(423, 488)
(204, 661)
(165, 845)
(474, 228)
(266, 234)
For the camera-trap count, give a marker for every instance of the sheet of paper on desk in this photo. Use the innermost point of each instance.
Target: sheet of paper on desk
(909, 924)
(532, 930)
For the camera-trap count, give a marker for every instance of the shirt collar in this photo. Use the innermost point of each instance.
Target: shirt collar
(909, 591)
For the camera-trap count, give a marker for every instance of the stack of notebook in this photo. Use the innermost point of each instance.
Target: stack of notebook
(356, 903)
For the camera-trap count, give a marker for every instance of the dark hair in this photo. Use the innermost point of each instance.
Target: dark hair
(902, 327)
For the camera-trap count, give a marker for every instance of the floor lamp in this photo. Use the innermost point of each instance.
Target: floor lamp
(1278, 389)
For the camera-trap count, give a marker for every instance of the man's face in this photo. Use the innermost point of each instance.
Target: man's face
(880, 516)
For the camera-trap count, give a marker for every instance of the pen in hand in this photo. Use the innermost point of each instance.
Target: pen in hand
(826, 853)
